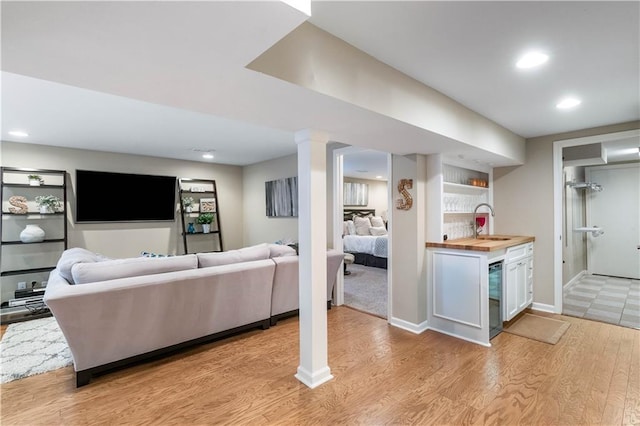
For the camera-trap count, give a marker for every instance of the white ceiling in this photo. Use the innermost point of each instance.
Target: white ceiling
(162, 78)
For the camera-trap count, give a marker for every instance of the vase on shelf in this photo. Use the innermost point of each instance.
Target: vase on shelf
(34, 182)
(45, 209)
(206, 228)
(188, 209)
(32, 234)
(191, 229)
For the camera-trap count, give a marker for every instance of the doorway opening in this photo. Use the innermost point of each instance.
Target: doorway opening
(362, 229)
(597, 223)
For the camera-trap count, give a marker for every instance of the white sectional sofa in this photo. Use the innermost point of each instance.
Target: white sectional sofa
(115, 312)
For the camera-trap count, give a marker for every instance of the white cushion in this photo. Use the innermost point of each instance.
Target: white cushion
(84, 273)
(345, 228)
(377, 222)
(362, 225)
(247, 254)
(281, 250)
(378, 230)
(73, 256)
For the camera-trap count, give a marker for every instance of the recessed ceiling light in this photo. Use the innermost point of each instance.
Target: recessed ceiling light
(568, 103)
(532, 59)
(19, 133)
(207, 156)
(378, 177)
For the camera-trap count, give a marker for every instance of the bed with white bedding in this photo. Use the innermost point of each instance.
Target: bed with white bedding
(368, 243)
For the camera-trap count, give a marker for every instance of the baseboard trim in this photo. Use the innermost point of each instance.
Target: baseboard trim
(543, 307)
(409, 326)
(477, 342)
(575, 279)
(313, 380)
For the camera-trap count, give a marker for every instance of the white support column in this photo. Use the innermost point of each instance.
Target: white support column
(312, 234)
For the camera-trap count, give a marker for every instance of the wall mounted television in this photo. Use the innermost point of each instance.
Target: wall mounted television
(124, 197)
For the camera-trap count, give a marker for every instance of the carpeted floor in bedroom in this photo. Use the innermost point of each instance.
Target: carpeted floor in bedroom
(365, 289)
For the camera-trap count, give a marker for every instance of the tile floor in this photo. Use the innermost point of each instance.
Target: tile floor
(606, 299)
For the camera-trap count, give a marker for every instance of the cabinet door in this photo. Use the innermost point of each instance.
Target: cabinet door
(510, 293)
(521, 285)
(529, 281)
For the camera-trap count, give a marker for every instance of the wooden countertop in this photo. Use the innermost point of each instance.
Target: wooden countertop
(487, 243)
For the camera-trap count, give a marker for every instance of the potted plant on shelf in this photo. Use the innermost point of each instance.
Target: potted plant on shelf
(187, 202)
(48, 203)
(205, 220)
(35, 180)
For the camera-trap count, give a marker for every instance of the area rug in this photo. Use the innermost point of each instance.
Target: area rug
(542, 329)
(32, 347)
(365, 289)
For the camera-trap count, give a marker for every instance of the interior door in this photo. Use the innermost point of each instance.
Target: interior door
(616, 209)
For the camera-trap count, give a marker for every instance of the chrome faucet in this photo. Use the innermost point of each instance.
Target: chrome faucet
(475, 211)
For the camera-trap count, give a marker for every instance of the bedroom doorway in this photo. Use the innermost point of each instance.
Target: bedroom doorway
(362, 229)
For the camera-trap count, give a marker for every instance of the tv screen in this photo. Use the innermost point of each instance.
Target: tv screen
(123, 197)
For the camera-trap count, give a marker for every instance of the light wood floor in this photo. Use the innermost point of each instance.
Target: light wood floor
(383, 375)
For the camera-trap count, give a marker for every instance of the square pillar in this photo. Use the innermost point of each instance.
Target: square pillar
(312, 234)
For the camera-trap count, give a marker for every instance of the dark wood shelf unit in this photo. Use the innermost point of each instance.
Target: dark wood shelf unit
(27, 271)
(10, 180)
(184, 189)
(56, 240)
(32, 214)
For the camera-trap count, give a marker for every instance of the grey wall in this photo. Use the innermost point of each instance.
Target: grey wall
(129, 239)
(258, 228)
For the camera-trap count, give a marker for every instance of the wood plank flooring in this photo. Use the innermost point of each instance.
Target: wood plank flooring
(383, 375)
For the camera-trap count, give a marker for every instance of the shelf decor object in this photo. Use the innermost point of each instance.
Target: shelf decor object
(32, 233)
(19, 204)
(202, 196)
(35, 180)
(48, 203)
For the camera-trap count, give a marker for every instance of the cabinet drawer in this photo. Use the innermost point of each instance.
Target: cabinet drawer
(518, 252)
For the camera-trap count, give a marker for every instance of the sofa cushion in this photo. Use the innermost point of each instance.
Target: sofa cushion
(247, 254)
(84, 273)
(280, 250)
(73, 256)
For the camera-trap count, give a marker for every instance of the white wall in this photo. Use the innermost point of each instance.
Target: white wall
(523, 201)
(377, 194)
(574, 248)
(258, 228)
(409, 292)
(129, 239)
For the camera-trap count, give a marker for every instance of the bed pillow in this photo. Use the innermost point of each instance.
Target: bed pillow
(351, 227)
(362, 225)
(377, 222)
(345, 228)
(378, 230)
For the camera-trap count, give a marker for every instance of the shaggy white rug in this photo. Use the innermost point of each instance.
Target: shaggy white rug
(32, 347)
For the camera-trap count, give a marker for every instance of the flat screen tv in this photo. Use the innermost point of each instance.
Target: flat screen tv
(124, 197)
